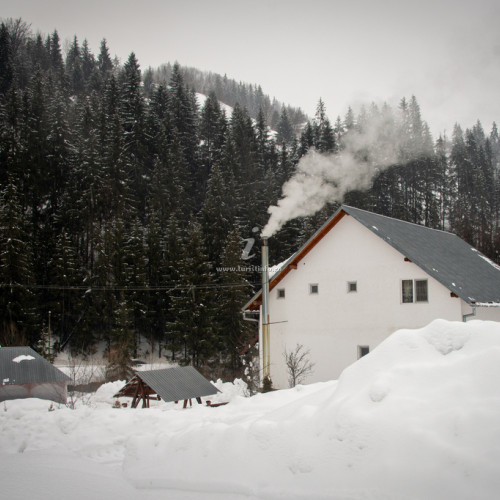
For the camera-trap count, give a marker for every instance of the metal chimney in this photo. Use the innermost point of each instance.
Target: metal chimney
(265, 309)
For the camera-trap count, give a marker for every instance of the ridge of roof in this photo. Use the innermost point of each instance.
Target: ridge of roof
(349, 208)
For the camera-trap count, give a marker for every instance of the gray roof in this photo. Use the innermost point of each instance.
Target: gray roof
(23, 365)
(444, 256)
(178, 383)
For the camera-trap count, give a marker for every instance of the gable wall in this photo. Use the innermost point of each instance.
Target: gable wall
(52, 391)
(333, 323)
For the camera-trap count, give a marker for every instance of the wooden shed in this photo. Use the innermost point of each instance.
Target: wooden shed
(26, 374)
(180, 383)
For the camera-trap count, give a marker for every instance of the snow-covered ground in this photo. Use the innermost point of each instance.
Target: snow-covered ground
(418, 418)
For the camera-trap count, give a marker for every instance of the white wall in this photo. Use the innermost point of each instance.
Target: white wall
(334, 323)
(55, 391)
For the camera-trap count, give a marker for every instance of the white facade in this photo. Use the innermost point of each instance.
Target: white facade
(337, 322)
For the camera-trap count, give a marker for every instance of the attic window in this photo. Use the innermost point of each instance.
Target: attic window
(314, 288)
(414, 291)
(352, 286)
(281, 293)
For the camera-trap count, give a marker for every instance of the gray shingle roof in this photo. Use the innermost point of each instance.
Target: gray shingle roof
(177, 383)
(22, 365)
(444, 256)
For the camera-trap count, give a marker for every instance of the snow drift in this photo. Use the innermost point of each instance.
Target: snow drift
(415, 419)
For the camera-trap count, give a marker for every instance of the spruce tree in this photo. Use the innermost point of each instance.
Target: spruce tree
(286, 134)
(212, 135)
(65, 297)
(74, 68)
(194, 303)
(6, 68)
(235, 333)
(18, 321)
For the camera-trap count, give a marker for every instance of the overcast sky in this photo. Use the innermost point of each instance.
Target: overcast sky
(445, 52)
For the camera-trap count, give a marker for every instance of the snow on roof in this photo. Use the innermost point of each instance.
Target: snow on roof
(23, 357)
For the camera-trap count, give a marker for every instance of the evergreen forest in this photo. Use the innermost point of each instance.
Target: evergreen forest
(126, 199)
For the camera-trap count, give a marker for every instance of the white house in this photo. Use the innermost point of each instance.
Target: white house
(363, 276)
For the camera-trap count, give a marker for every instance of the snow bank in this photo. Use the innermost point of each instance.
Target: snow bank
(417, 418)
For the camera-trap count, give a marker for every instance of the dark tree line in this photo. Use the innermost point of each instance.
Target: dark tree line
(125, 207)
(230, 92)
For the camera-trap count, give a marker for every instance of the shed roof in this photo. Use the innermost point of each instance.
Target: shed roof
(173, 384)
(23, 365)
(450, 260)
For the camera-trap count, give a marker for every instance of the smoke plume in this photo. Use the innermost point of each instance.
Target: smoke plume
(323, 178)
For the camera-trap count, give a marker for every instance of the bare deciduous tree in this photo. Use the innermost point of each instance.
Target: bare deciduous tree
(298, 365)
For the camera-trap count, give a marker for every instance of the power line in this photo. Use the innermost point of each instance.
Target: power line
(145, 288)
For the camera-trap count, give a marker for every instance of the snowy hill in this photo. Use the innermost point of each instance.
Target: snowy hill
(415, 419)
(201, 98)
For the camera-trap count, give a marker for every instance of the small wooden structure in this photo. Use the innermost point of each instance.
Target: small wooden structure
(26, 374)
(181, 383)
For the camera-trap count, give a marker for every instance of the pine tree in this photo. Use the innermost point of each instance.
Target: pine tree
(88, 62)
(286, 134)
(132, 118)
(324, 140)
(235, 333)
(74, 68)
(104, 63)
(182, 108)
(156, 277)
(17, 320)
(136, 282)
(462, 214)
(212, 131)
(193, 304)
(6, 69)
(306, 139)
(56, 59)
(65, 298)
(217, 216)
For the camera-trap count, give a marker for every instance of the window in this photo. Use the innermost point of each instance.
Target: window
(281, 293)
(352, 286)
(314, 288)
(421, 290)
(363, 350)
(407, 291)
(414, 291)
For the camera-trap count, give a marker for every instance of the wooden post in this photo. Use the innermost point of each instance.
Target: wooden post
(135, 400)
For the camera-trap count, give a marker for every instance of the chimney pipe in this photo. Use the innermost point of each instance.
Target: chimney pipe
(265, 309)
